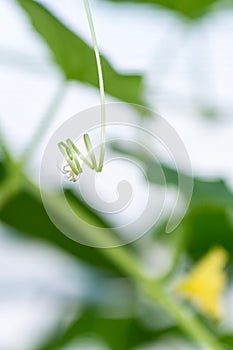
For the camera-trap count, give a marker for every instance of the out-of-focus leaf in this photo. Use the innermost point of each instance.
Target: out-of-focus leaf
(208, 226)
(227, 340)
(204, 191)
(27, 215)
(213, 191)
(117, 333)
(207, 223)
(77, 59)
(2, 172)
(188, 8)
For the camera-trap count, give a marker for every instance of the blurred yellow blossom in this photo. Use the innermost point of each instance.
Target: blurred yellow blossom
(206, 282)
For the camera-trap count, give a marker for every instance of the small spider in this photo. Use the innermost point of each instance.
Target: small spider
(71, 175)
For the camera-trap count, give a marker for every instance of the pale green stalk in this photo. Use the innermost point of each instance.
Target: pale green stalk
(101, 85)
(130, 265)
(127, 262)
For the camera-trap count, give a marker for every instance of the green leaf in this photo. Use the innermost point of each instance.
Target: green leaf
(76, 59)
(208, 191)
(204, 191)
(227, 340)
(208, 226)
(26, 214)
(213, 191)
(207, 223)
(191, 9)
(2, 172)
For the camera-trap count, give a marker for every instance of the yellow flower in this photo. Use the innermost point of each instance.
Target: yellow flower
(206, 282)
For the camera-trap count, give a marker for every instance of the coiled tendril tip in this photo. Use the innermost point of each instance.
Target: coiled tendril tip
(73, 156)
(68, 149)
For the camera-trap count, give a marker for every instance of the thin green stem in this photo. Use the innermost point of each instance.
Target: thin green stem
(101, 85)
(73, 150)
(128, 263)
(88, 144)
(48, 117)
(73, 163)
(121, 256)
(188, 322)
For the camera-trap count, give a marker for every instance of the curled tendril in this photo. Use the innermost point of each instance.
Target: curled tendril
(70, 152)
(72, 155)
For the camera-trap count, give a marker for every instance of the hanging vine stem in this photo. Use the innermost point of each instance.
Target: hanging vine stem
(71, 153)
(101, 85)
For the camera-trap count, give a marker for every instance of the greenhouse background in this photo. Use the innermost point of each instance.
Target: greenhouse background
(56, 293)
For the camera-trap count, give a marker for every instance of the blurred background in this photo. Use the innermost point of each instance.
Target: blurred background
(174, 57)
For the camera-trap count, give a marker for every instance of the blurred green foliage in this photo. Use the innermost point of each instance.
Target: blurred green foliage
(117, 333)
(208, 222)
(207, 226)
(35, 223)
(192, 9)
(76, 58)
(204, 192)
